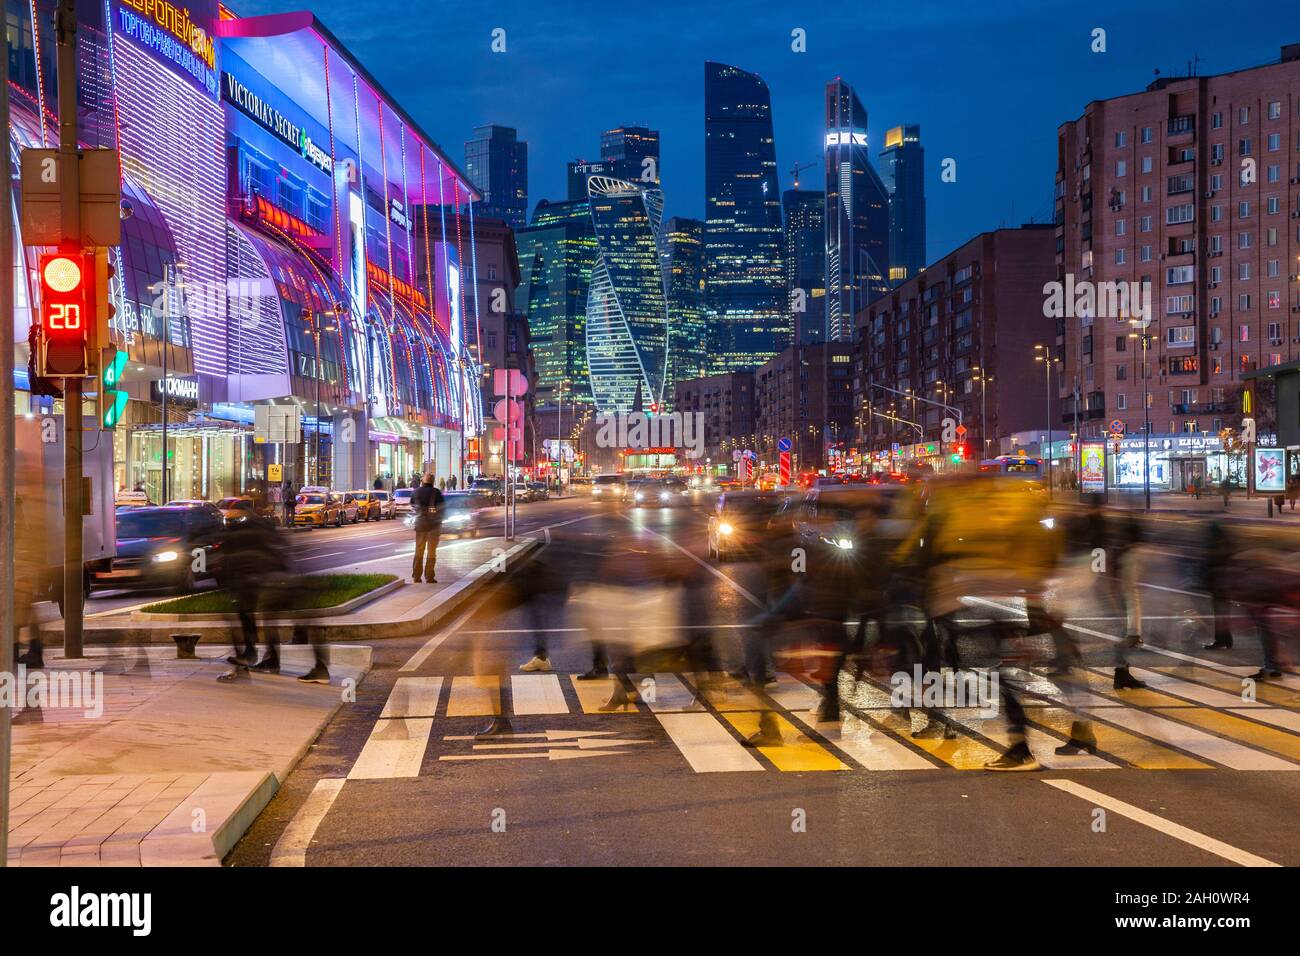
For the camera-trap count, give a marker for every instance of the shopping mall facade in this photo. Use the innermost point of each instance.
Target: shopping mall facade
(291, 238)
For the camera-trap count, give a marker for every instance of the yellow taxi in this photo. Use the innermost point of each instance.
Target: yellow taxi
(317, 509)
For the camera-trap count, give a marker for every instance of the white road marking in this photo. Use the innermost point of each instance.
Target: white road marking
(1160, 824)
(670, 695)
(431, 645)
(291, 848)
(537, 694)
(706, 744)
(395, 749)
(873, 749)
(413, 697)
(739, 589)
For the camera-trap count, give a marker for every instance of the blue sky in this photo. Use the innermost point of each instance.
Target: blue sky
(988, 82)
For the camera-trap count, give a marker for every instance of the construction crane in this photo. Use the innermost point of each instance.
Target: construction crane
(797, 168)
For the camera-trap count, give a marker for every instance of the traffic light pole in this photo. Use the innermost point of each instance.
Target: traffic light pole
(65, 26)
(7, 469)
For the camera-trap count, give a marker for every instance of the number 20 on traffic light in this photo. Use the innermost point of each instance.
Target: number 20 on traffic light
(67, 314)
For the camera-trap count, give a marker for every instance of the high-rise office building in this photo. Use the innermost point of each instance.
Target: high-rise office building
(744, 277)
(857, 214)
(579, 171)
(556, 255)
(627, 312)
(805, 263)
(682, 254)
(631, 153)
(902, 169)
(496, 161)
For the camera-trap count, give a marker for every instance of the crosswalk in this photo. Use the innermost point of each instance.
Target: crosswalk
(1189, 718)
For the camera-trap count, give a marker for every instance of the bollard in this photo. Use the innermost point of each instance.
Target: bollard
(185, 644)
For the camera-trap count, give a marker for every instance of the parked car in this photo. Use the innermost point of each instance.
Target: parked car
(386, 504)
(580, 486)
(368, 507)
(739, 522)
(491, 491)
(132, 499)
(317, 509)
(350, 505)
(402, 501)
(157, 547)
(538, 491)
(201, 503)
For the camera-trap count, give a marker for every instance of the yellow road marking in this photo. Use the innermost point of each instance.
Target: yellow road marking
(477, 696)
(799, 752)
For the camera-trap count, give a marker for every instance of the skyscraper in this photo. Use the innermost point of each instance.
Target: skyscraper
(556, 255)
(579, 171)
(805, 263)
(627, 314)
(857, 214)
(744, 277)
(631, 153)
(496, 161)
(682, 254)
(902, 169)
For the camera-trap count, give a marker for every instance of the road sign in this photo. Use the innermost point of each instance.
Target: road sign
(99, 178)
(1117, 426)
(514, 386)
(783, 444)
(277, 423)
(275, 472)
(515, 411)
(785, 468)
(961, 431)
(737, 455)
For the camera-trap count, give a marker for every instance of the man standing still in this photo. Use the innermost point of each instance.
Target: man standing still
(427, 502)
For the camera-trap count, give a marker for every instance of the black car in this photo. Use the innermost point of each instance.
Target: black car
(460, 514)
(167, 546)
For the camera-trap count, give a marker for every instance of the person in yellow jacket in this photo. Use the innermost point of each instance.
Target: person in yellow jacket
(987, 538)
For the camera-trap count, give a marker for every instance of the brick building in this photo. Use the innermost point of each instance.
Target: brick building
(962, 333)
(1193, 187)
(806, 394)
(727, 402)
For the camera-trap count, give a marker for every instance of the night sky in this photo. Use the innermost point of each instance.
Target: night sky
(988, 82)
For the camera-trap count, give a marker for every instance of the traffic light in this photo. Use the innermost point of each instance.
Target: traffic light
(104, 309)
(67, 314)
(112, 400)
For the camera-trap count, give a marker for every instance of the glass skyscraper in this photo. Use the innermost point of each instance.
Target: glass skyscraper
(857, 215)
(556, 256)
(902, 168)
(496, 161)
(682, 253)
(627, 311)
(805, 263)
(744, 277)
(631, 153)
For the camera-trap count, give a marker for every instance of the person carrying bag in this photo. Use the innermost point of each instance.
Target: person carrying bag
(427, 502)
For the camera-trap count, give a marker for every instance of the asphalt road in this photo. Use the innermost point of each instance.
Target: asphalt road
(1189, 773)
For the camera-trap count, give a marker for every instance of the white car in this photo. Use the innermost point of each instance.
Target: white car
(402, 501)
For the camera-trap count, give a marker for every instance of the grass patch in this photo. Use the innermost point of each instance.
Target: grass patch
(299, 593)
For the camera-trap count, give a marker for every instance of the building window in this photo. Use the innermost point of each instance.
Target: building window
(1185, 212)
(1182, 336)
(1146, 134)
(1179, 275)
(1243, 270)
(1121, 401)
(1184, 365)
(1243, 333)
(1216, 213)
(1243, 240)
(1274, 268)
(1243, 146)
(1274, 142)
(1243, 301)
(1146, 220)
(1243, 116)
(1275, 110)
(1146, 164)
(1121, 256)
(1274, 205)
(1275, 300)
(1121, 168)
(1274, 173)
(1216, 121)
(1146, 253)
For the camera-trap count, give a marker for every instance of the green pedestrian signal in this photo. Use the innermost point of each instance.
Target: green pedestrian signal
(112, 400)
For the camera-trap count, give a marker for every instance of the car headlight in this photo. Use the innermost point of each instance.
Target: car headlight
(664, 496)
(638, 496)
(457, 519)
(164, 556)
(1048, 523)
(844, 544)
(725, 528)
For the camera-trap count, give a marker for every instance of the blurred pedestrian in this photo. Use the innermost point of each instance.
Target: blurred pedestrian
(28, 563)
(427, 502)
(1214, 579)
(250, 558)
(289, 503)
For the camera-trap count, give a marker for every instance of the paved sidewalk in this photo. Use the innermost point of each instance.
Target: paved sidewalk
(145, 760)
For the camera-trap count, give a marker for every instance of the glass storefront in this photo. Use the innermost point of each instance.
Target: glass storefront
(204, 460)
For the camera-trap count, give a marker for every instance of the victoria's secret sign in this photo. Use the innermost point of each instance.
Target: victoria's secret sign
(268, 117)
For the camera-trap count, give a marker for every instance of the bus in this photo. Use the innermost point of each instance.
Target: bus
(1013, 465)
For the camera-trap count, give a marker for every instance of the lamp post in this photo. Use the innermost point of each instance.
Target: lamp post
(1146, 407)
(1044, 355)
(983, 378)
(317, 327)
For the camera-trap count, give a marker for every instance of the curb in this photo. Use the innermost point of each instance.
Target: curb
(444, 603)
(308, 614)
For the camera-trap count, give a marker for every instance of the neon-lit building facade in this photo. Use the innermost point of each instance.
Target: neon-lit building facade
(316, 245)
(627, 311)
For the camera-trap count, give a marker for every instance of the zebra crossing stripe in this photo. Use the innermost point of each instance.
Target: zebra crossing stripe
(706, 744)
(413, 697)
(537, 694)
(395, 749)
(475, 696)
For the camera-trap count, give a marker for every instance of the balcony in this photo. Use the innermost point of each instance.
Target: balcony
(1201, 408)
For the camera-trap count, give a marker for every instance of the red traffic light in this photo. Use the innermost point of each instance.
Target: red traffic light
(67, 313)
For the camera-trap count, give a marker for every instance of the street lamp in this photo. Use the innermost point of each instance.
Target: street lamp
(1144, 324)
(983, 378)
(317, 327)
(1044, 355)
